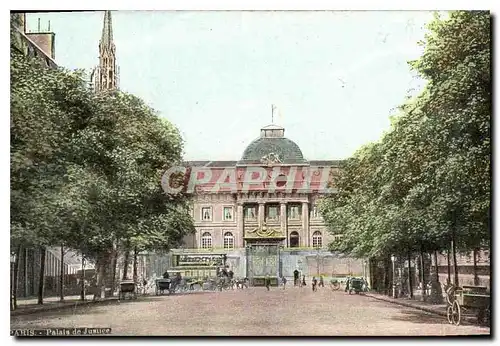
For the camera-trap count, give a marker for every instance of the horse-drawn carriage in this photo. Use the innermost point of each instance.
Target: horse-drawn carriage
(467, 300)
(177, 283)
(163, 285)
(128, 288)
(357, 285)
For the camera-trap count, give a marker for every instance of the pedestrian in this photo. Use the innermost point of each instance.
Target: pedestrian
(144, 285)
(283, 281)
(303, 280)
(268, 282)
(295, 277)
(347, 284)
(314, 284)
(321, 281)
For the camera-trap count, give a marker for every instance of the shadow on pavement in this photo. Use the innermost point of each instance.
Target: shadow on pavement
(65, 311)
(416, 316)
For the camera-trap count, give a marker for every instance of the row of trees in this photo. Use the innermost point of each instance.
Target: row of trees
(424, 187)
(86, 170)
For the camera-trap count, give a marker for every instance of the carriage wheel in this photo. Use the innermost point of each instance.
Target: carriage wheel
(456, 313)
(450, 295)
(449, 314)
(335, 286)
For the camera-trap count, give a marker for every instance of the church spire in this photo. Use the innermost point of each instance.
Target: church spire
(107, 30)
(106, 74)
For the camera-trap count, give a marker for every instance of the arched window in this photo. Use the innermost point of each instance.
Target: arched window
(294, 239)
(206, 240)
(317, 239)
(228, 240)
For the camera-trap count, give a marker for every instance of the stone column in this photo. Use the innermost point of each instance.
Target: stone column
(283, 220)
(261, 215)
(240, 226)
(305, 223)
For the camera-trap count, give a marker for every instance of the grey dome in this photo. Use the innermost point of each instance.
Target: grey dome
(272, 142)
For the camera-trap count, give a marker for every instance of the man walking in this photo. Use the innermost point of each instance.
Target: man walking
(295, 277)
(314, 283)
(268, 282)
(283, 281)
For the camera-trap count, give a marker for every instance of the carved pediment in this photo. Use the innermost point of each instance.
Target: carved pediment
(264, 232)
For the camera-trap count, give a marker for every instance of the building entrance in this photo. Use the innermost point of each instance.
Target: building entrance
(263, 255)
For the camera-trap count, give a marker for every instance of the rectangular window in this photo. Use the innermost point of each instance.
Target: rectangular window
(250, 213)
(272, 212)
(228, 214)
(206, 214)
(315, 213)
(294, 213)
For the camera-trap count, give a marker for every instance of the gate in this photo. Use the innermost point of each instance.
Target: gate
(263, 260)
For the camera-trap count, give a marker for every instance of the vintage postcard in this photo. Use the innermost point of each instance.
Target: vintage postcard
(250, 173)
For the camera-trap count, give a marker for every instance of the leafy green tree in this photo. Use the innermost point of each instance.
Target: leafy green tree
(86, 168)
(426, 183)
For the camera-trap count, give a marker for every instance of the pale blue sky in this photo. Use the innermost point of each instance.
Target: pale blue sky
(336, 77)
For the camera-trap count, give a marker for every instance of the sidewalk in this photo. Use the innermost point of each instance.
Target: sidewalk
(438, 309)
(30, 306)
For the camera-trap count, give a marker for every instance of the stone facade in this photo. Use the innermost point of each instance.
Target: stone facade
(224, 218)
(268, 198)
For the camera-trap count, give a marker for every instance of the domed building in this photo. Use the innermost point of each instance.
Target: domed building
(259, 214)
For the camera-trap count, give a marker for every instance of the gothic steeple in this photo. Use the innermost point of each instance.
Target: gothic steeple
(107, 31)
(106, 74)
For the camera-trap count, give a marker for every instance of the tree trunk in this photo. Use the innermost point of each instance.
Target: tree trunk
(15, 275)
(82, 292)
(436, 266)
(422, 274)
(125, 265)
(476, 277)
(61, 279)
(410, 283)
(455, 267)
(449, 265)
(114, 262)
(41, 281)
(101, 265)
(387, 277)
(135, 265)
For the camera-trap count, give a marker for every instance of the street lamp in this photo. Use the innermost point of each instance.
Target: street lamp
(393, 259)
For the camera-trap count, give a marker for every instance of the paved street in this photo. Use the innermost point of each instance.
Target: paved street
(295, 311)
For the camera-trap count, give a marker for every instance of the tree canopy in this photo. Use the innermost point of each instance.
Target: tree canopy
(427, 181)
(86, 167)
